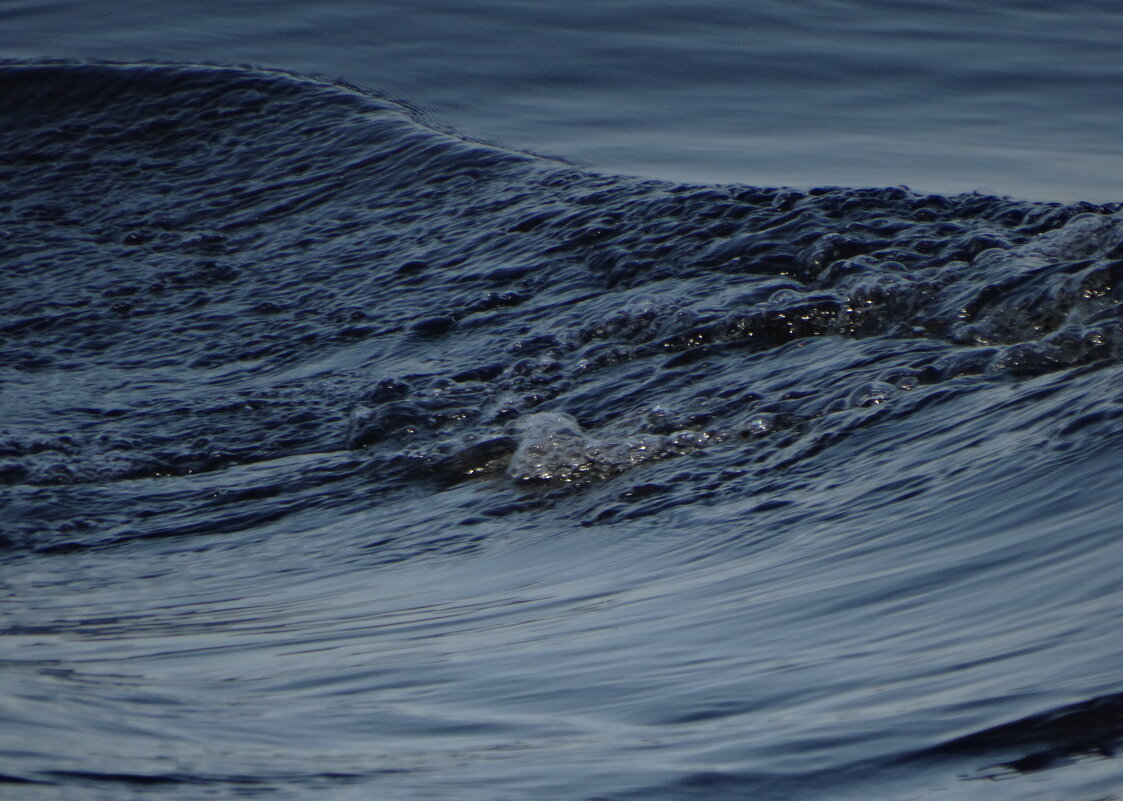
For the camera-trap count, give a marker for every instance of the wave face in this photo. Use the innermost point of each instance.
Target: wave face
(345, 457)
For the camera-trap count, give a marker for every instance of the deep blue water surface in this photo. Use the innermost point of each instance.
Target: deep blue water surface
(347, 453)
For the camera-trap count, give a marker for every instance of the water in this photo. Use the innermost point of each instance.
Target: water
(1015, 97)
(345, 457)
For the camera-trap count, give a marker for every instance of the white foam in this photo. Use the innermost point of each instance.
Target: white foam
(552, 447)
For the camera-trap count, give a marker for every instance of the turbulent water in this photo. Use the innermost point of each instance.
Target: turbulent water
(344, 458)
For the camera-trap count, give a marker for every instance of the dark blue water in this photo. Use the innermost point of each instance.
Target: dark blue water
(344, 455)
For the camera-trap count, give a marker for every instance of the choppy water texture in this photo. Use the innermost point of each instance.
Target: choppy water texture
(343, 458)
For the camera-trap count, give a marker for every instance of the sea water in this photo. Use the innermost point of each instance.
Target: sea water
(350, 448)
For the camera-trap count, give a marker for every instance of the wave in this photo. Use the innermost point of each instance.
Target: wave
(221, 267)
(241, 302)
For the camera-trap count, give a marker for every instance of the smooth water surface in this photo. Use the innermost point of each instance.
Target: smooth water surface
(1017, 97)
